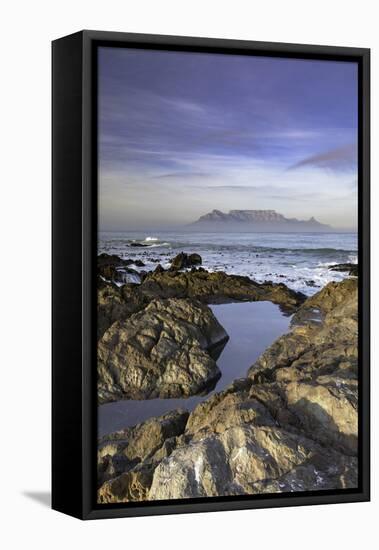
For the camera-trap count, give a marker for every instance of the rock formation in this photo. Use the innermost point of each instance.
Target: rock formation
(165, 350)
(290, 425)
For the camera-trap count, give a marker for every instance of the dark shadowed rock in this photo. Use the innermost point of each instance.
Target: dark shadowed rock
(116, 270)
(218, 288)
(159, 269)
(161, 351)
(351, 269)
(195, 259)
(183, 261)
(107, 264)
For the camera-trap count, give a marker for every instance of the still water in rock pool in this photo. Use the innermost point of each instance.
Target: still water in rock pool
(251, 326)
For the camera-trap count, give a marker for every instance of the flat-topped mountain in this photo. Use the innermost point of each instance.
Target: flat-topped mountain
(255, 220)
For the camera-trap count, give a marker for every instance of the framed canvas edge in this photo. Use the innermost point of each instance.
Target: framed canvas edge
(90, 510)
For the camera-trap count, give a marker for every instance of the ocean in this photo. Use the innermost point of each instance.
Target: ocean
(300, 260)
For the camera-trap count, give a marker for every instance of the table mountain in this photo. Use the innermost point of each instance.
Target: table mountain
(255, 220)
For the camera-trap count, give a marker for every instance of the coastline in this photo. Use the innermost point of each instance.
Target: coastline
(267, 431)
(299, 260)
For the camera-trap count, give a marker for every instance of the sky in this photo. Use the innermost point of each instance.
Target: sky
(183, 133)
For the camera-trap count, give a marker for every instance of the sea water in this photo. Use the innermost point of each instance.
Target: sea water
(300, 260)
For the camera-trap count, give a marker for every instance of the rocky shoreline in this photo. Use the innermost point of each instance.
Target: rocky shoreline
(289, 425)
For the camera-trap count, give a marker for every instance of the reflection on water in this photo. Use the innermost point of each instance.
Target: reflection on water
(252, 327)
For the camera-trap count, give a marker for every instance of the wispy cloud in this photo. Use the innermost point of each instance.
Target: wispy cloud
(183, 174)
(341, 158)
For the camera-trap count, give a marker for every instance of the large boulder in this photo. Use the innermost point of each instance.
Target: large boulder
(165, 350)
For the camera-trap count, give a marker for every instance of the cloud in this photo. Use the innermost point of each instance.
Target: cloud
(341, 158)
(183, 175)
(181, 134)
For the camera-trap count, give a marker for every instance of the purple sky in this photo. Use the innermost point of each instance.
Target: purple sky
(183, 133)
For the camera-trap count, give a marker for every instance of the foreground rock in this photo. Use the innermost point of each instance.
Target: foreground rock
(291, 425)
(247, 460)
(162, 351)
(127, 459)
(210, 288)
(314, 368)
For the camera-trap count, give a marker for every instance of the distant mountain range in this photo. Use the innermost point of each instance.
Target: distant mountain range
(256, 221)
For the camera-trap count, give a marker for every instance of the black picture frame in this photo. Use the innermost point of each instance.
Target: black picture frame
(74, 205)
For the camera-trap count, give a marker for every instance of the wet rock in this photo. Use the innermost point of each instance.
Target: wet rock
(351, 269)
(139, 245)
(183, 261)
(107, 265)
(125, 275)
(162, 351)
